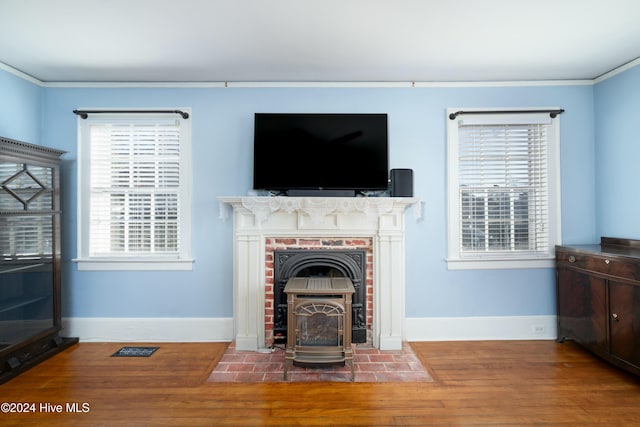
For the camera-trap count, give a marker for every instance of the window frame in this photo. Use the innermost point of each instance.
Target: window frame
(456, 260)
(131, 261)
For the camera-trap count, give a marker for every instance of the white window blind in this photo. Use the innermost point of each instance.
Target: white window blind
(135, 183)
(134, 189)
(503, 190)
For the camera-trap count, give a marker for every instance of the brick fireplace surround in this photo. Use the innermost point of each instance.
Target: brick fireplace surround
(315, 244)
(263, 223)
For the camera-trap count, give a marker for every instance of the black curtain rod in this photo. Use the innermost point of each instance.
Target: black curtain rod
(552, 113)
(85, 113)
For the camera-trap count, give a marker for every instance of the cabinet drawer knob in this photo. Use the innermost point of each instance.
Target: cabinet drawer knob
(614, 316)
(606, 261)
(572, 258)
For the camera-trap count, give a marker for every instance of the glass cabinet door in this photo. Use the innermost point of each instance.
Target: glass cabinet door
(27, 226)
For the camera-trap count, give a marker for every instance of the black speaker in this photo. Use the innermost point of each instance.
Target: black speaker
(401, 182)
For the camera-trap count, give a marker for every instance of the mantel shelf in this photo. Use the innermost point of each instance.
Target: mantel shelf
(319, 207)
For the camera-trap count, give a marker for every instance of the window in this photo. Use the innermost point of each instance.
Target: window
(134, 192)
(503, 190)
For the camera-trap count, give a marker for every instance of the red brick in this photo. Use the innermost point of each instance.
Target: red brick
(371, 367)
(310, 242)
(382, 358)
(285, 241)
(333, 243)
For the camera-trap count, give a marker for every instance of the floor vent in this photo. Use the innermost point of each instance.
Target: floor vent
(135, 352)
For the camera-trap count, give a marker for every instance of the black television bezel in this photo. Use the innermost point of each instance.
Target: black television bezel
(380, 184)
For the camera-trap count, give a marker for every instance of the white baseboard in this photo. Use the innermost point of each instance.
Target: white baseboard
(145, 329)
(170, 329)
(390, 342)
(481, 328)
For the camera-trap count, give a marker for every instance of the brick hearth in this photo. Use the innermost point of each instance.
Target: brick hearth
(371, 365)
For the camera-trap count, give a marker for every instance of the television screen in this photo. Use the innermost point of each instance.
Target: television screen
(320, 152)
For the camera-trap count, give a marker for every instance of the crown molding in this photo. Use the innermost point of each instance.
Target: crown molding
(305, 84)
(506, 83)
(616, 71)
(9, 69)
(320, 84)
(135, 84)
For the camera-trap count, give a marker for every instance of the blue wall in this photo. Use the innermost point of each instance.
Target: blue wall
(617, 164)
(222, 162)
(20, 108)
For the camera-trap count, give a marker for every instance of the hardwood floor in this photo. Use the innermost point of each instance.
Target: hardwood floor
(489, 383)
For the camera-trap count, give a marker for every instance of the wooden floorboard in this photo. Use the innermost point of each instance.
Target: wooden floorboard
(479, 383)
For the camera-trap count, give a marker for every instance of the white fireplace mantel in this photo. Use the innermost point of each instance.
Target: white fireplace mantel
(257, 218)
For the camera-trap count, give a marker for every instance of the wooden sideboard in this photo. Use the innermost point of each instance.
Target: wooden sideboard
(598, 297)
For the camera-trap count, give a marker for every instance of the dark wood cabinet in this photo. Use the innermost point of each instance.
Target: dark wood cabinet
(581, 308)
(598, 297)
(30, 308)
(624, 303)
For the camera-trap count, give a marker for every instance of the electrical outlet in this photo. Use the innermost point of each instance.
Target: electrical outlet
(538, 329)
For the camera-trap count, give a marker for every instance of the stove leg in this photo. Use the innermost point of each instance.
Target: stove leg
(287, 363)
(350, 364)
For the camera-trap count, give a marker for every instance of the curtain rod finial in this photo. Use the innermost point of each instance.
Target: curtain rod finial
(555, 113)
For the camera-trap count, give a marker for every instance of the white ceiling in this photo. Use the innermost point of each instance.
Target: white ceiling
(317, 40)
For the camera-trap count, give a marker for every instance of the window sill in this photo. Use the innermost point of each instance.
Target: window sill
(499, 264)
(111, 264)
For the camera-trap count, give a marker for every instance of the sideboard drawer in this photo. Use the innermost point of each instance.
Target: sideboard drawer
(611, 266)
(624, 269)
(587, 261)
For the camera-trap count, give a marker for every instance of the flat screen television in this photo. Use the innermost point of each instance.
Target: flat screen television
(309, 154)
